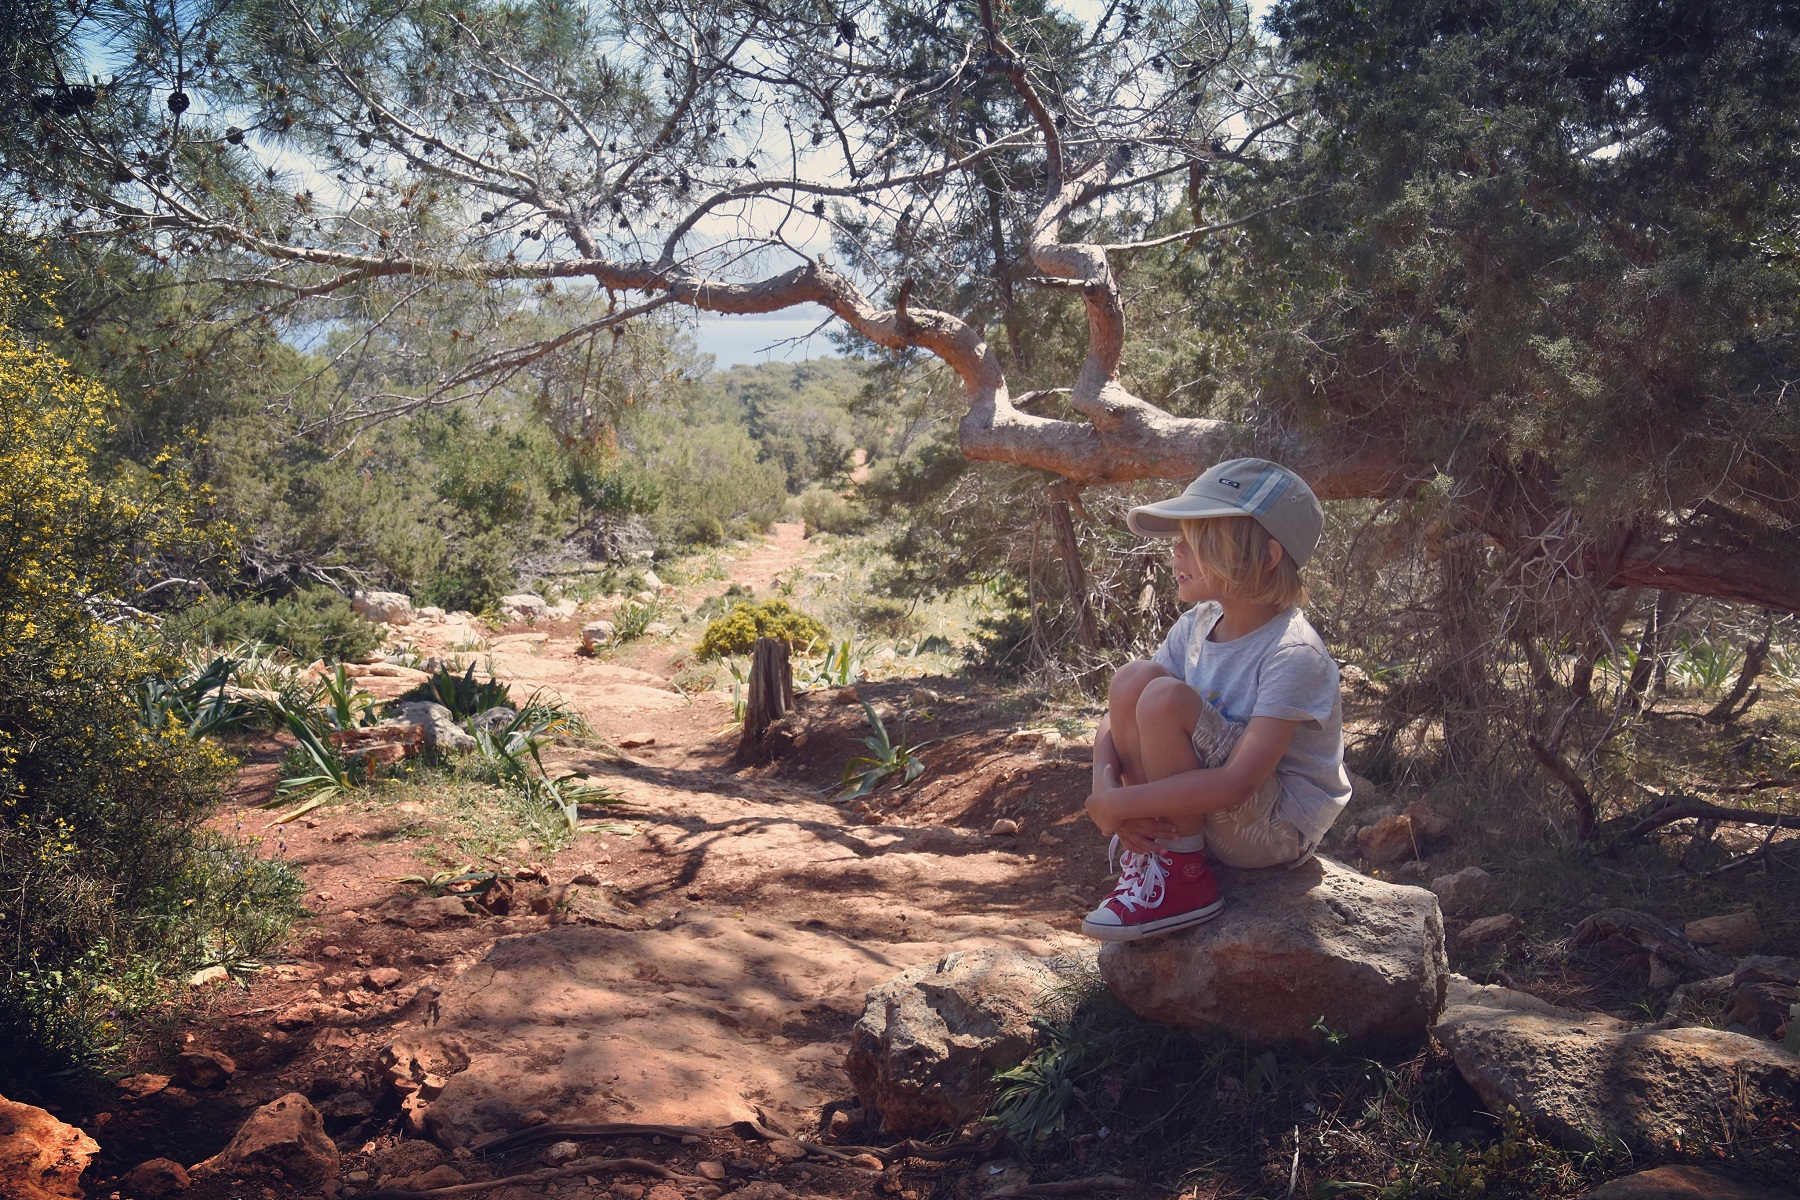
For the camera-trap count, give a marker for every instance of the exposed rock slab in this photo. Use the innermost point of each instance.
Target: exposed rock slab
(1585, 1077)
(924, 1053)
(696, 1025)
(41, 1158)
(1684, 1183)
(1294, 948)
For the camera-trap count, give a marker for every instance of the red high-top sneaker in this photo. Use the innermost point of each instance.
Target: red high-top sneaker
(1157, 893)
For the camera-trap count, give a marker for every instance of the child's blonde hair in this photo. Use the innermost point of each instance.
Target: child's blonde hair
(1233, 550)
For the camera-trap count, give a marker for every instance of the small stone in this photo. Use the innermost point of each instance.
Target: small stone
(628, 1191)
(658, 629)
(203, 1069)
(842, 1122)
(139, 1086)
(1003, 827)
(847, 695)
(1049, 839)
(787, 1150)
(559, 1153)
(536, 1116)
(711, 1170)
(632, 741)
(663, 1191)
(867, 1162)
(1503, 928)
(586, 879)
(208, 975)
(382, 978)
(1459, 891)
(595, 634)
(441, 1176)
(155, 1178)
(1389, 840)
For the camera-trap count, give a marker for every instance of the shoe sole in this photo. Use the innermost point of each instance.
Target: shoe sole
(1132, 933)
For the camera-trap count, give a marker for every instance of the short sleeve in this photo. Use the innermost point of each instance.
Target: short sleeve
(1172, 655)
(1297, 683)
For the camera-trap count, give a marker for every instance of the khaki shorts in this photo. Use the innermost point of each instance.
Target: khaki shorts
(1250, 835)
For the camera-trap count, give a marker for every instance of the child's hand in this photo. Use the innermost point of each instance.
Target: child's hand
(1139, 834)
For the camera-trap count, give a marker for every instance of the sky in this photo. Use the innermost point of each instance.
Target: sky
(783, 336)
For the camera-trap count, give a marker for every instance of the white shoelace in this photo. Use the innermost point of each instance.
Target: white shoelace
(1141, 877)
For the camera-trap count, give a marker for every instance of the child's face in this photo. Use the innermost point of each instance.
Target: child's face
(1192, 583)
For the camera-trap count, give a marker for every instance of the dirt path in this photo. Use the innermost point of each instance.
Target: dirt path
(707, 966)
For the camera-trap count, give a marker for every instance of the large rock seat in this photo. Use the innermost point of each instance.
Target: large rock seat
(1296, 952)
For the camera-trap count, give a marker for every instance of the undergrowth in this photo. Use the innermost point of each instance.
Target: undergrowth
(1110, 1092)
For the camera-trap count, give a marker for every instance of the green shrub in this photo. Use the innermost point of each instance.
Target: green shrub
(825, 511)
(109, 881)
(464, 695)
(313, 624)
(736, 632)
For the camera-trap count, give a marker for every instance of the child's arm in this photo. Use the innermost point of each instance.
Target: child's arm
(1193, 794)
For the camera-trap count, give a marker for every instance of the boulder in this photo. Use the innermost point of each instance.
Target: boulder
(1318, 944)
(520, 643)
(1684, 1183)
(1762, 994)
(1735, 932)
(285, 1135)
(495, 719)
(1458, 892)
(154, 1179)
(203, 1069)
(383, 608)
(924, 1053)
(1581, 1078)
(596, 634)
(41, 1158)
(524, 606)
(442, 733)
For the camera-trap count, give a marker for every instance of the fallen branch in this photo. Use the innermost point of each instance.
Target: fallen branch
(1649, 934)
(1700, 810)
(634, 1166)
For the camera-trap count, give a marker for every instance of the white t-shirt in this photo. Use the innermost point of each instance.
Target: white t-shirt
(1282, 670)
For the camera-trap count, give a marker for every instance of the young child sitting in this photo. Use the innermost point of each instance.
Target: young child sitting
(1229, 740)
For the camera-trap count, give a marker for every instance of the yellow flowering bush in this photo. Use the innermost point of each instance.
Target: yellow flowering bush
(107, 878)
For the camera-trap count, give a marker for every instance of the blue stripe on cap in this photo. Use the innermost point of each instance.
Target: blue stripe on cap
(1267, 491)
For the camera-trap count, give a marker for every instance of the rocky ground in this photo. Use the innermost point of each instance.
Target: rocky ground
(679, 993)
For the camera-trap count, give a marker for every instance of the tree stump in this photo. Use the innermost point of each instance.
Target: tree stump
(770, 694)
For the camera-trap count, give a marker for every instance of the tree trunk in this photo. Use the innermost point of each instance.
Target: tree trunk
(1649, 647)
(1755, 654)
(771, 693)
(1075, 573)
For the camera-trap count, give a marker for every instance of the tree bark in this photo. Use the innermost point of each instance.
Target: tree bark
(1074, 573)
(1649, 647)
(770, 694)
(1755, 654)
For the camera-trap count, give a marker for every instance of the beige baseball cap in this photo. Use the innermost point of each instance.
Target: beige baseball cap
(1242, 487)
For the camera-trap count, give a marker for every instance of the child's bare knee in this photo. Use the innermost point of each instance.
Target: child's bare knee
(1130, 680)
(1168, 701)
